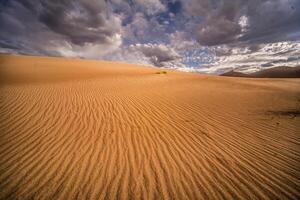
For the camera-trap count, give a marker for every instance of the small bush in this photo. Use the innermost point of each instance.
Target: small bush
(161, 72)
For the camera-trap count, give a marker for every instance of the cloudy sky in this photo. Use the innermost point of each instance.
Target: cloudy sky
(211, 36)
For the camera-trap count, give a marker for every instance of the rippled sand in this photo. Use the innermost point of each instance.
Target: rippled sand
(72, 129)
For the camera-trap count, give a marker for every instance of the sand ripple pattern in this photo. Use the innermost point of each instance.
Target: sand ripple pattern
(138, 135)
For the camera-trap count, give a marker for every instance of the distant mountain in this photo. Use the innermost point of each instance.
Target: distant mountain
(275, 72)
(235, 74)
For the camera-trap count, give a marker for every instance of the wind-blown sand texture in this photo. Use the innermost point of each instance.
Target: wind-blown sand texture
(72, 129)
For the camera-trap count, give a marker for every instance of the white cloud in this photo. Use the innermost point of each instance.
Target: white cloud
(151, 7)
(244, 23)
(180, 41)
(90, 50)
(245, 60)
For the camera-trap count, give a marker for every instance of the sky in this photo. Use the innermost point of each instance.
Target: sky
(207, 36)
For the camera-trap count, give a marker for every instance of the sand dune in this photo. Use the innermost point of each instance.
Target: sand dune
(72, 129)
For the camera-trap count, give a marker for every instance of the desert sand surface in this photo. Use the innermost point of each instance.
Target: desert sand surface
(74, 129)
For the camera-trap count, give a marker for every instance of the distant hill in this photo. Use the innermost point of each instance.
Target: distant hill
(275, 72)
(235, 74)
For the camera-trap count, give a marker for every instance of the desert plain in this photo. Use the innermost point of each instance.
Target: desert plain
(78, 129)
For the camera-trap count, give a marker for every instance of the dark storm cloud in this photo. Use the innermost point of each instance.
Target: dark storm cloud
(158, 54)
(274, 20)
(229, 21)
(21, 32)
(82, 21)
(41, 25)
(220, 25)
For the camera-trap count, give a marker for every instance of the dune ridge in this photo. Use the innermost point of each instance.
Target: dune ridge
(72, 129)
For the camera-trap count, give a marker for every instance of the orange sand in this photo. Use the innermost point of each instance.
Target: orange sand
(73, 129)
